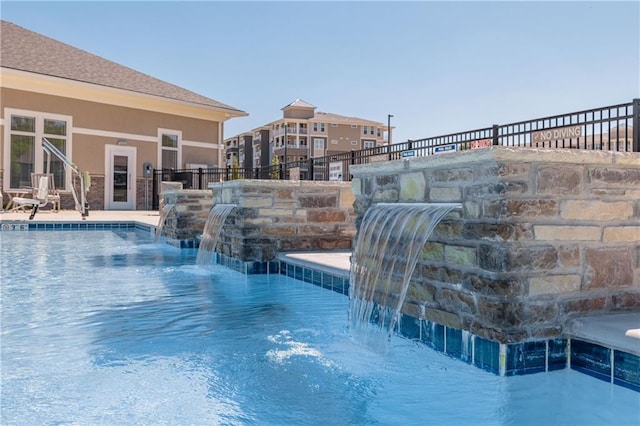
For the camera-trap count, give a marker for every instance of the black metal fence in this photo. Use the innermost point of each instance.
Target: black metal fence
(611, 128)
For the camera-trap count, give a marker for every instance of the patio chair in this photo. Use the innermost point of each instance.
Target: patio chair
(40, 198)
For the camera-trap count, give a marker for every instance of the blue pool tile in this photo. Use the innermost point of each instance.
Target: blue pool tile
(592, 359)
(410, 327)
(306, 275)
(316, 278)
(458, 344)
(274, 267)
(487, 355)
(326, 281)
(626, 370)
(526, 358)
(433, 335)
(557, 354)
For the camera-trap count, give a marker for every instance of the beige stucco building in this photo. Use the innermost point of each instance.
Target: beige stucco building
(309, 134)
(107, 119)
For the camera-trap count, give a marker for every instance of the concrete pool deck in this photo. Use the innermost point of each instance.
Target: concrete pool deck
(619, 331)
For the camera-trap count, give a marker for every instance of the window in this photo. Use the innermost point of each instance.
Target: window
(368, 144)
(364, 130)
(170, 148)
(322, 127)
(334, 124)
(334, 142)
(354, 126)
(318, 144)
(315, 127)
(26, 155)
(371, 129)
(354, 142)
(378, 133)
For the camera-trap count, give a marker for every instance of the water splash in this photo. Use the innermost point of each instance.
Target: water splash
(212, 228)
(164, 213)
(389, 242)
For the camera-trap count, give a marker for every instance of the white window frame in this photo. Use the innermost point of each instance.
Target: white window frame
(322, 127)
(315, 143)
(354, 142)
(334, 124)
(368, 144)
(161, 148)
(354, 126)
(334, 141)
(39, 155)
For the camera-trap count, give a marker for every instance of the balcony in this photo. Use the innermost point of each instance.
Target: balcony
(292, 150)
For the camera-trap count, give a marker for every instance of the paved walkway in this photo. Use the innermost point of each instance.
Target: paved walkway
(619, 331)
(148, 217)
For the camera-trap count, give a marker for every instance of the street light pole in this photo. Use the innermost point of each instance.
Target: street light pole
(389, 133)
(286, 142)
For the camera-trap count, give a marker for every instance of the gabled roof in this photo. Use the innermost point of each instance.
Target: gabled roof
(298, 103)
(31, 52)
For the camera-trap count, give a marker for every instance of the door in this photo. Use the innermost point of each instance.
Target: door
(120, 178)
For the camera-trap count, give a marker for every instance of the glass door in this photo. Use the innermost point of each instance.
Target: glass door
(120, 179)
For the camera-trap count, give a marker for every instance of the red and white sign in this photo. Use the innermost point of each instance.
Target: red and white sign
(482, 143)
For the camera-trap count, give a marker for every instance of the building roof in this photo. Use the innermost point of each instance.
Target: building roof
(299, 103)
(25, 50)
(335, 118)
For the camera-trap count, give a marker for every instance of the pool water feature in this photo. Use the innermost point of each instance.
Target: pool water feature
(390, 240)
(164, 213)
(111, 328)
(211, 233)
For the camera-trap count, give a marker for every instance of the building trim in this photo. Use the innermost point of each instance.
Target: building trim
(56, 86)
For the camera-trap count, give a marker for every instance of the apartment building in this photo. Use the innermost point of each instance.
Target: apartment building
(304, 133)
(108, 119)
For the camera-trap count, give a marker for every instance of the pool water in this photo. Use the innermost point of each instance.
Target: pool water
(106, 327)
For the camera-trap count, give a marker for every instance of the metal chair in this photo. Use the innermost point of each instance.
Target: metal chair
(40, 198)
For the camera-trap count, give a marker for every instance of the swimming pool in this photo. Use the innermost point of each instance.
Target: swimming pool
(105, 327)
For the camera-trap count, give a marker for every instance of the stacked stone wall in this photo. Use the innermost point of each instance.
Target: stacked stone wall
(543, 236)
(282, 216)
(189, 212)
(271, 217)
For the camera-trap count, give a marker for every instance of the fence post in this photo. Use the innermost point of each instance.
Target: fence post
(200, 176)
(311, 169)
(155, 197)
(494, 135)
(636, 125)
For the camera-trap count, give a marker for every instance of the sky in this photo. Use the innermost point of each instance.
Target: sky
(437, 67)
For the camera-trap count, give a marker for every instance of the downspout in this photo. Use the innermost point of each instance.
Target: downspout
(220, 130)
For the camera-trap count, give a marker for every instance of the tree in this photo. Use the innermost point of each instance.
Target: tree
(275, 169)
(235, 168)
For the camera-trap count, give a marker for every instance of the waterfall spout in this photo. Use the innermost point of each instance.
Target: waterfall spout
(166, 209)
(390, 239)
(212, 228)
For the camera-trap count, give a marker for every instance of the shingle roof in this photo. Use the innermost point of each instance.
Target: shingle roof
(336, 118)
(28, 51)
